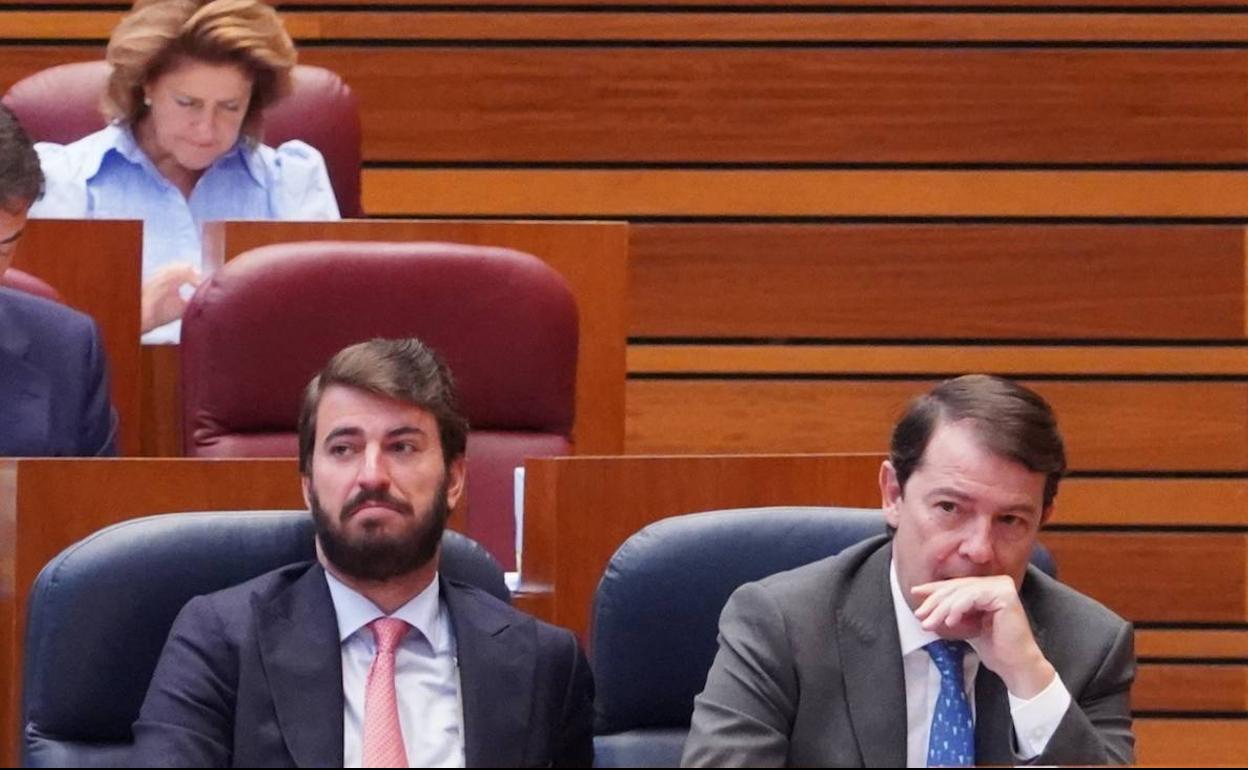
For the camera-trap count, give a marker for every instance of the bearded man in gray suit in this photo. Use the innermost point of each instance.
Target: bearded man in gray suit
(936, 644)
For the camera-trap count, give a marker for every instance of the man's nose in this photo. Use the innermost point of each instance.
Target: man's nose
(977, 542)
(373, 470)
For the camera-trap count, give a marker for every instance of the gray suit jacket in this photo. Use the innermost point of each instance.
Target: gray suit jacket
(252, 677)
(809, 673)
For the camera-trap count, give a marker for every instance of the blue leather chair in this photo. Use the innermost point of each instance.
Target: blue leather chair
(656, 613)
(99, 614)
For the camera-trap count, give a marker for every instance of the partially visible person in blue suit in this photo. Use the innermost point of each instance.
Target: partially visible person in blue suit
(53, 376)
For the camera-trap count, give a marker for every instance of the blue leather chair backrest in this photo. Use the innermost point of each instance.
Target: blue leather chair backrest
(656, 612)
(100, 611)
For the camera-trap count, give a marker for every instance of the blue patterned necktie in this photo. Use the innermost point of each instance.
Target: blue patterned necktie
(952, 739)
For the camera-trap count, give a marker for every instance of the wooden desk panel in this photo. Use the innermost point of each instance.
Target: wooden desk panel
(579, 510)
(591, 256)
(46, 505)
(96, 265)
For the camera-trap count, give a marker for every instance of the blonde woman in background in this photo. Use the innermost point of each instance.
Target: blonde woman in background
(190, 82)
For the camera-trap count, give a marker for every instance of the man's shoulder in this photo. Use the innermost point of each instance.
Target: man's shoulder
(42, 317)
(236, 601)
(828, 574)
(492, 610)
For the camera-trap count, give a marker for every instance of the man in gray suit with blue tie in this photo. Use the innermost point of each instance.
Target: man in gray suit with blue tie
(936, 645)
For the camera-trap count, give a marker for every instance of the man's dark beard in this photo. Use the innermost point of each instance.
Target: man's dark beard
(376, 558)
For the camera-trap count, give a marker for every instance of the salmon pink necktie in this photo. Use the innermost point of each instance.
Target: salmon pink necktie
(383, 738)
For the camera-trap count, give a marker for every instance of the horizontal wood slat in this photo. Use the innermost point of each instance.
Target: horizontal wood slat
(804, 193)
(668, 26)
(1191, 742)
(794, 105)
(694, 4)
(1186, 687)
(911, 281)
(940, 358)
(1153, 502)
(1198, 426)
(1153, 643)
(1158, 577)
(782, 105)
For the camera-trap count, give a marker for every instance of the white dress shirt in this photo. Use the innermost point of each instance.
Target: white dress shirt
(1035, 720)
(426, 675)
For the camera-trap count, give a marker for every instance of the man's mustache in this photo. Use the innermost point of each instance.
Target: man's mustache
(374, 496)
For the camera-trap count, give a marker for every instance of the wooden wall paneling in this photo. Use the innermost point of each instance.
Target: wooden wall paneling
(1165, 502)
(1191, 687)
(579, 510)
(1158, 577)
(722, 104)
(46, 505)
(952, 280)
(592, 256)
(1004, 5)
(801, 193)
(715, 104)
(1191, 742)
(96, 265)
(369, 24)
(1159, 425)
(872, 356)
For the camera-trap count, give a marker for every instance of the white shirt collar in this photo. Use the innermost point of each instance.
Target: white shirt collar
(422, 612)
(911, 633)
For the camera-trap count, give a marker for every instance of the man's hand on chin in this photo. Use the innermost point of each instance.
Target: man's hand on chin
(987, 614)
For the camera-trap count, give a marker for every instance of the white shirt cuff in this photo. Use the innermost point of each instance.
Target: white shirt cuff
(1036, 720)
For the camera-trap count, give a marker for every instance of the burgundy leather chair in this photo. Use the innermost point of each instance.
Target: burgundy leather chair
(16, 279)
(504, 321)
(61, 104)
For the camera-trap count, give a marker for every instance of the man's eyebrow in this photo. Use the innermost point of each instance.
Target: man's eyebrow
(405, 430)
(948, 492)
(340, 432)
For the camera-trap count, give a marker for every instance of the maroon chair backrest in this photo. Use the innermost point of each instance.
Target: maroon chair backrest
(61, 104)
(25, 282)
(505, 322)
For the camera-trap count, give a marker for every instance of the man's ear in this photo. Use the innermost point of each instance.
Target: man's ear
(890, 493)
(305, 482)
(456, 474)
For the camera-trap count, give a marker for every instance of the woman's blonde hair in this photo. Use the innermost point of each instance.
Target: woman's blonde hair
(158, 36)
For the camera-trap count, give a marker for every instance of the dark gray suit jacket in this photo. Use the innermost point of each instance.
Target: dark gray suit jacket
(252, 677)
(809, 673)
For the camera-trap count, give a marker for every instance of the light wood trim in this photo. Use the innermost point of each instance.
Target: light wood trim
(1190, 687)
(489, 25)
(545, 192)
(937, 359)
(1150, 643)
(1191, 742)
(1157, 502)
(1129, 426)
(1157, 576)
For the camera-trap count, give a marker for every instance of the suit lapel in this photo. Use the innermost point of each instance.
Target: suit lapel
(25, 393)
(497, 678)
(875, 685)
(302, 658)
